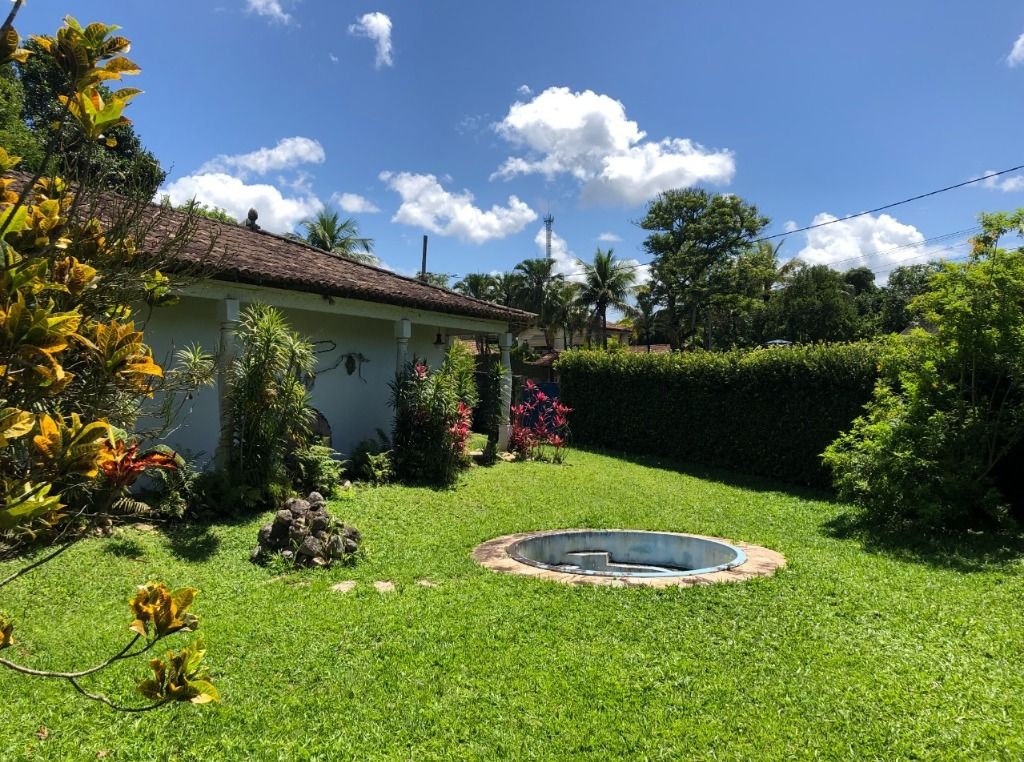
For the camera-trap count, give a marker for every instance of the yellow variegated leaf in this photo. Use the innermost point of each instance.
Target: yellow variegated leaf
(14, 423)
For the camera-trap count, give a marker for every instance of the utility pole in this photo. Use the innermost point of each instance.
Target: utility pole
(549, 220)
(423, 267)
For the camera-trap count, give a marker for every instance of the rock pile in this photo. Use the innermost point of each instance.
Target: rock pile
(305, 534)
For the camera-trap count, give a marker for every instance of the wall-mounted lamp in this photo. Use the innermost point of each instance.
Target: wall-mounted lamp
(439, 341)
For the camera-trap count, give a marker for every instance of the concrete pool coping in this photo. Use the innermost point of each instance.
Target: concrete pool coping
(497, 555)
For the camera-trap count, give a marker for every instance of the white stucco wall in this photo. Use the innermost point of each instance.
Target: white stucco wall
(355, 407)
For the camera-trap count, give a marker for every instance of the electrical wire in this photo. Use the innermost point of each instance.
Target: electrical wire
(987, 176)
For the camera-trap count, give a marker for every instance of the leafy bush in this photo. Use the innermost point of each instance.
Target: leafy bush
(460, 366)
(540, 426)
(315, 468)
(268, 410)
(487, 413)
(431, 426)
(370, 461)
(769, 412)
(940, 441)
(75, 371)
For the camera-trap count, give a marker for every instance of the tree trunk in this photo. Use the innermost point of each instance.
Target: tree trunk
(604, 326)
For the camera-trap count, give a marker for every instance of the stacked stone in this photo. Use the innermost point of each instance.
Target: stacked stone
(305, 534)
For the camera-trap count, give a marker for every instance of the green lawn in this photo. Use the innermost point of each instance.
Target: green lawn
(861, 649)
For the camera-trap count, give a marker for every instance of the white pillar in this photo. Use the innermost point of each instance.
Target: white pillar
(226, 353)
(505, 344)
(403, 331)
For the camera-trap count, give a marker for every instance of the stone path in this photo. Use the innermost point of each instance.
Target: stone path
(382, 586)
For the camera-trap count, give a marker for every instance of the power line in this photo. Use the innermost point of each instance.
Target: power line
(894, 204)
(986, 176)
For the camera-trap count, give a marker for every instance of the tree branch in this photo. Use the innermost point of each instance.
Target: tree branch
(9, 22)
(40, 562)
(104, 700)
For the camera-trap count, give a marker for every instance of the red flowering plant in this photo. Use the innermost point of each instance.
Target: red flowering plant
(540, 426)
(431, 427)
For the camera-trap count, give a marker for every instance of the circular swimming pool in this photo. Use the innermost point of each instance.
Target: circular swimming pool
(626, 557)
(626, 553)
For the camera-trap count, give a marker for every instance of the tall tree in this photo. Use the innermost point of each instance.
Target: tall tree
(607, 282)
(694, 236)
(816, 305)
(326, 230)
(566, 310)
(507, 288)
(479, 286)
(646, 316)
(904, 284)
(535, 293)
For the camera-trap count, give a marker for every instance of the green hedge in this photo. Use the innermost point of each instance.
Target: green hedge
(769, 412)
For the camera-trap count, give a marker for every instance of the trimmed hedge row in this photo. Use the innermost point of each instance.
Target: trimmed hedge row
(769, 412)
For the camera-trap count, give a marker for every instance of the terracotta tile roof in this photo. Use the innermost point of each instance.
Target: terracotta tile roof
(226, 251)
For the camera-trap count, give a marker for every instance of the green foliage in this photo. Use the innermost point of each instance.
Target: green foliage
(268, 413)
(109, 152)
(769, 412)
(695, 238)
(948, 412)
(199, 209)
(370, 461)
(607, 282)
(487, 415)
(431, 426)
(905, 284)
(460, 366)
(315, 468)
(814, 305)
(327, 231)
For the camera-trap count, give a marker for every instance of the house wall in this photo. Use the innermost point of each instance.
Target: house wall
(355, 407)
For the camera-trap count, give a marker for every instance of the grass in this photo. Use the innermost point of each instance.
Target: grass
(864, 648)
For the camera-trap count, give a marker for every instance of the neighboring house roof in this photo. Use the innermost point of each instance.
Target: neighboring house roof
(546, 360)
(617, 327)
(232, 252)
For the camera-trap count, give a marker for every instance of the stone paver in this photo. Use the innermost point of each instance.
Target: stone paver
(344, 587)
(384, 586)
(761, 562)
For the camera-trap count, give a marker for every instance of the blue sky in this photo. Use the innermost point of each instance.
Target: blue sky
(470, 120)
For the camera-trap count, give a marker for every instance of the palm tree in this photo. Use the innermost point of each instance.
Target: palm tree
(507, 287)
(538, 276)
(565, 308)
(647, 318)
(325, 230)
(479, 286)
(607, 282)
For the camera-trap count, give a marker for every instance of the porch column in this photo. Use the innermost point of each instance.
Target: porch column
(505, 344)
(225, 357)
(403, 331)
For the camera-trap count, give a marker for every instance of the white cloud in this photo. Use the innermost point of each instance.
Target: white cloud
(376, 26)
(524, 90)
(272, 9)
(334, 58)
(789, 226)
(278, 213)
(609, 238)
(1008, 184)
(427, 205)
(587, 135)
(353, 203)
(879, 242)
(1016, 56)
(288, 153)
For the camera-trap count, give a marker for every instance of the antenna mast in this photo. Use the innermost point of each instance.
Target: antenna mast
(549, 220)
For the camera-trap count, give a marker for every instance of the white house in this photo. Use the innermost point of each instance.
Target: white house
(367, 321)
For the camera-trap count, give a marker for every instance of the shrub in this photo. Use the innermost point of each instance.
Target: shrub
(315, 468)
(431, 426)
(370, 462)
(460, 366)
(769, 412)
(540, 426)
(268, 410)
(943, 433)
(487, 413)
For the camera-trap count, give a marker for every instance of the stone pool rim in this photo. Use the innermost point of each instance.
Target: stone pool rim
(495, 554)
